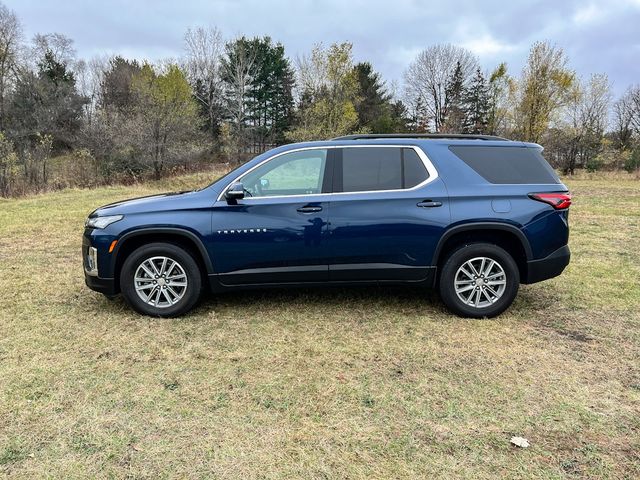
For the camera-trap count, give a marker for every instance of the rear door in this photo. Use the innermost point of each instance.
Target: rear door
(388, 210)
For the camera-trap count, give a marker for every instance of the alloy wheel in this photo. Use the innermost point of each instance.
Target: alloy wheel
(480, 282)
(160, 281)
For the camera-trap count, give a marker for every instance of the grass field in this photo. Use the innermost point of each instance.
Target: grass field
(340, 383)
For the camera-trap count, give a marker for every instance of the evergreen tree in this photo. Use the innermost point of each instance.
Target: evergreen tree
(377, 112)
(46, 103)
(258, 82)
(454, 114)
(417, 121)
(476, 105)
(115, 88)
(374, 99)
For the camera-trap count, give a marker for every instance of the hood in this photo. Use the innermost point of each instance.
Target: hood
(155, 203)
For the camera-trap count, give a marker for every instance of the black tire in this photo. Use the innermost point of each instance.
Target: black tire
(186, 263)
(494, 307)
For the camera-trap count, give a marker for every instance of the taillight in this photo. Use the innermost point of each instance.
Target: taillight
(558, 201)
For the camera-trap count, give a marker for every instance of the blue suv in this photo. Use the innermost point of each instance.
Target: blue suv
(473, 216)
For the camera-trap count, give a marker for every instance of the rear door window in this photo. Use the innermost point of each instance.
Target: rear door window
(507, 165)
(366, 169)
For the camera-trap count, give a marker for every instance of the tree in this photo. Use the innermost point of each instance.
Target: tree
(8, 166)
(328, 94)
(477, 105)
(238, 71)
(58, 46)
(203, 65)
(453, 112)
(46, 103)
(116, 92)
(89, 79)
(545, 88)
(10, 46)
(377, 112)
(623, 120)
(579, 136)
(270, 96)
(634, 100)
(501, 95)
(626, 117)
(428, 77)
(165, 116)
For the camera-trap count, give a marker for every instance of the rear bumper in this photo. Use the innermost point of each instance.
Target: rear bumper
(548, 267)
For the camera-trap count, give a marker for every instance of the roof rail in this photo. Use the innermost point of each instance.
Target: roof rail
(453, 136)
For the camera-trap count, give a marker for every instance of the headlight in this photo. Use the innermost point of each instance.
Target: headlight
(102, 222)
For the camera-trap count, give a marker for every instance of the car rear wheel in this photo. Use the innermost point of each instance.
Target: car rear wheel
(161, 280)
(479, 280)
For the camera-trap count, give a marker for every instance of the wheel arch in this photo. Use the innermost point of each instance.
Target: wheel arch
(506, 236)
(177, 236)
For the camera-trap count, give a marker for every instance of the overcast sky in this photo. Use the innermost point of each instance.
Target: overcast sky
(599, 36)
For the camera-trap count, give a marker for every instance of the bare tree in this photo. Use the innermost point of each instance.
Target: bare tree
(58, 45)
(10, 47)
(89, 78)
(428, 76)
(634, 101)
(623, 120)
(312, 71)
(202, 63)
(590, 117)
(237, 70)
(576, 138)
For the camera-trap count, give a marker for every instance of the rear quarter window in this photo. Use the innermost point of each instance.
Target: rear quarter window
(507, 164)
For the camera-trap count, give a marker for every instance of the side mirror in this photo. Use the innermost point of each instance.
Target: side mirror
(234, 193)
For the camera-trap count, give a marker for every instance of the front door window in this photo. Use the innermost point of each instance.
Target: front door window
(295, 173)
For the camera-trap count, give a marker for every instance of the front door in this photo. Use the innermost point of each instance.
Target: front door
(278, 232)
(388, 211)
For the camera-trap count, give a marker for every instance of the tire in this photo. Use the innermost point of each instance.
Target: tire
(477, 296)
(181, 279)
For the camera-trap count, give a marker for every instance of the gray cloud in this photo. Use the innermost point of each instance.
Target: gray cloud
(597, 37)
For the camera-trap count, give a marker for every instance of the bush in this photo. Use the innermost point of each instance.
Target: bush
(632, 163)
(8, 167)
(594, 164)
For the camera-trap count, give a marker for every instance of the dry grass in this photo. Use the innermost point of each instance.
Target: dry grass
(342, 383)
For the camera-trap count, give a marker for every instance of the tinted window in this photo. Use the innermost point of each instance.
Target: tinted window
(507, 164)
(295, 173)
(371, 169)
(414, 170)
(379, 168)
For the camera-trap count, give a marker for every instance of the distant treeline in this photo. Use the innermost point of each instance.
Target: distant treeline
(66, 121)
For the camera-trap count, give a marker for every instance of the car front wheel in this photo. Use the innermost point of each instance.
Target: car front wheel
(161, 280)
(479, 280)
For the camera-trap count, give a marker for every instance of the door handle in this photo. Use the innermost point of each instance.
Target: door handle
(309, 209)
(429, 204)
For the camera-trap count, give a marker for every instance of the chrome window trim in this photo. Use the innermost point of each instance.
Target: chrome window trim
(431, 170)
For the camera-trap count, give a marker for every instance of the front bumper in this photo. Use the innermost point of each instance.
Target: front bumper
(106, 286)
(548, 267)
(92, 271)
